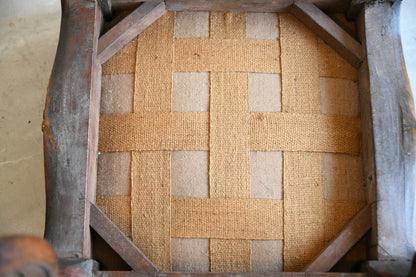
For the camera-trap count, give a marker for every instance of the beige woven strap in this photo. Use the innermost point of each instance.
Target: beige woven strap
(332, 65)
(226, 218)
(300, 72)
(227, 55)
(337, 215)
(153, 79)
(150, 190)
(268, 132)
(118, 210)
(150, 205)
(303, 208)
(229, 172)
(227, 25)
(312, 133)
(122, 62)
(303, 177)
(154, 131)
(230, 255)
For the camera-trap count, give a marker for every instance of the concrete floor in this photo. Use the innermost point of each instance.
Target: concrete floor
(29, 32)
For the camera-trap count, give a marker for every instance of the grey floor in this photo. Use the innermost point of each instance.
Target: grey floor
(29, 32)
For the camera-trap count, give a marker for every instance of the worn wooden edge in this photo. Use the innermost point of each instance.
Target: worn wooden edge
(75, 267)
(387, 268)
(70, 132)
(128, 28)
(119, 242)
(389, 137)
(106, 8)
(252, 5)
(228, 274)
(329, 31)
(27, 255)
(349, 236)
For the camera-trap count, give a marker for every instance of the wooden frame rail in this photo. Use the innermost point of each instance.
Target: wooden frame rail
(71, 122)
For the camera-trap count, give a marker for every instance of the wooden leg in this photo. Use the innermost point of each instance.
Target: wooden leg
(71, 130)
(389, 137)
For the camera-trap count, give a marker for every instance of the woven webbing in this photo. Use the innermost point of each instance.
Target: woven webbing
(229, 174)
(303, 208)
(227, 218)
(227, 25)
(154, 131)
(150, 205)
(122, 62)
(300, 73)
(296, 132)
(337, 215)
(153, 79)
(303, 183)
(117, 208)
(332, 65)
(229, 168)
(268, 132)
(151, 191)
(227, 55)
(230, 255)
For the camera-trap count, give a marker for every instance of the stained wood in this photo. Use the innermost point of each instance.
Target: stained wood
(211, 274)
(389, 121)
(251, 5)
(352, 233)
(128, 28)
(388, 268)
(127, 5)
(354, 9)
(329, 31)
(67, 134)
(75, 267)
(119, 242)
(106, 9)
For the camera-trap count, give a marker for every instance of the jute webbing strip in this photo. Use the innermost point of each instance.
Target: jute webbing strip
(122, 62)
(332, 65)
(150, 205)
(227, 25)
(118, 210)
(300, 72)
(306, 132)
(227, 218)
(154, 131)
(227, 55)
(229, 138)
(303, 208)
(337, 216)
(229, 172)
(230, 255)
(268, 132)
(153, 79)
